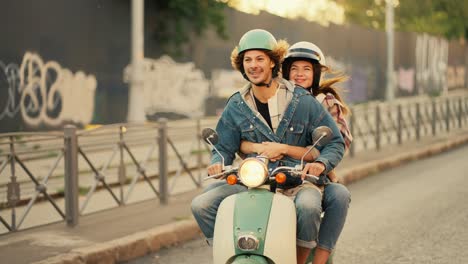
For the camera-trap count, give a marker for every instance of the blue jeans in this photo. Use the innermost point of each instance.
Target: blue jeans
(335, 203)
(205, 206)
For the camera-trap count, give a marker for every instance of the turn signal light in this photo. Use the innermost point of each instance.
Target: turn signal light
(231, 179)
(280, 178)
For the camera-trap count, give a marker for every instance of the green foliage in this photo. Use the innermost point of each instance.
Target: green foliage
(448, 18)
(175, 21)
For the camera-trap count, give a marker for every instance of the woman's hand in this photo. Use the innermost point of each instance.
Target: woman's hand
(273, 151)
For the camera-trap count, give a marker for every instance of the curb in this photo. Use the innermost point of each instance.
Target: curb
(129, 247)
(366, 169)
(150, 241)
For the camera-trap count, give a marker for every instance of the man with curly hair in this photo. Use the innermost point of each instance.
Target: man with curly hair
(270, 108)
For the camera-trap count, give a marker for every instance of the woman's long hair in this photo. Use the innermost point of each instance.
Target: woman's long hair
(327, 86)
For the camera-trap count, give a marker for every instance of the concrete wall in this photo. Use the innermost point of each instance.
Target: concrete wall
(92, 39)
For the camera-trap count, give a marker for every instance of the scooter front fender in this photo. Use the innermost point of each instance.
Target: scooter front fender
(279, 240)
(249, 259)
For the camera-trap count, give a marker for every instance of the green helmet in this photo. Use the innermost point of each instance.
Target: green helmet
(257, 39)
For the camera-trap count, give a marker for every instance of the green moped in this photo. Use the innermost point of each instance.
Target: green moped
(258, 226)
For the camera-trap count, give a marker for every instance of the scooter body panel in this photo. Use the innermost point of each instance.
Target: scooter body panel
(223, 240)
(268, 218)
(280, 241)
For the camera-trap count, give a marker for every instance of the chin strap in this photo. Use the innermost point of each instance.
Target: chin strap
(266, 84)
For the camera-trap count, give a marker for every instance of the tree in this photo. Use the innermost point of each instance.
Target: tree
(173, 22)
(448, 18)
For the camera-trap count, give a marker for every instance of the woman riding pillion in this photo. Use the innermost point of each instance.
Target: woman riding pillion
(269, 109)
(304, 65)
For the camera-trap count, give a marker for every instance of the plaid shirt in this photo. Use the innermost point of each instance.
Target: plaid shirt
(334, 106)
(276, 104)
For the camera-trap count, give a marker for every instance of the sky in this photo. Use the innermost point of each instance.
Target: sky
(323, 12)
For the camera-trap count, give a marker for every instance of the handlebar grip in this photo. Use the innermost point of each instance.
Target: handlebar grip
(311, 178)
(216, 176)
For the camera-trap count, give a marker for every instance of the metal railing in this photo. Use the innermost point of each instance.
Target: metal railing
(378, 124)
(96, 159)
(66, 169)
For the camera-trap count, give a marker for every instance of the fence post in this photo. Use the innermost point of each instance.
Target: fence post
(460, 111)
(447, 116)
(71, 175)
(418, 121)
(122, 168)
(400, 122)
(352, 120)
(434, 116)
(163, 161)
(13, 192)
(377, 127)
(199, 151)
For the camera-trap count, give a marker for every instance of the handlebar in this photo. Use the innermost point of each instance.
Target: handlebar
(293, 171)
(308, 177)
(222, 174)
(296, 172)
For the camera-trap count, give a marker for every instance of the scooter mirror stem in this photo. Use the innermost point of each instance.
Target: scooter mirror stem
(222, 158)
(310, 149)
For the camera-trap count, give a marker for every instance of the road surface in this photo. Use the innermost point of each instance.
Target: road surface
(417, 213)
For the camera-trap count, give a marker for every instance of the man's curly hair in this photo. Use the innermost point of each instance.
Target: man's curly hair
(276, 55)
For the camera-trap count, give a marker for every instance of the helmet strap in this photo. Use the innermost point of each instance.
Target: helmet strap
(266, 84)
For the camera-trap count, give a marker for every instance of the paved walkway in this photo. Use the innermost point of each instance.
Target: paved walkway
(128, 232)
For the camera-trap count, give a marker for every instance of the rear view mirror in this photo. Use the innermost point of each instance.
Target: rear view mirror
(322, 135)
(210, 136)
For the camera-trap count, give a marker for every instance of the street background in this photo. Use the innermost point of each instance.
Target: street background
(90, 173)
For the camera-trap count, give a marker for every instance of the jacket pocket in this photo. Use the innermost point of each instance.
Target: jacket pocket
(294, 133)
(248, 131)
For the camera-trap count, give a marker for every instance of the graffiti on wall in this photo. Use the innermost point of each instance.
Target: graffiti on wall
(357, 89)
(46, 94)
(431, 63)
(9, 79)
(405, 79)
(226, 82)
(456, 76)
(359, 86)
(172, 87)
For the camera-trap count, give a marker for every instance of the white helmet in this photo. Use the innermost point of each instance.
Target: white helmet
(308, 51)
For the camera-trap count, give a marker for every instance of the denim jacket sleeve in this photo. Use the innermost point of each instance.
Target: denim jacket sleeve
(228, 138)
(332, 153)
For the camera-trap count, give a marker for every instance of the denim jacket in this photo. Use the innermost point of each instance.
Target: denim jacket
(302, 115)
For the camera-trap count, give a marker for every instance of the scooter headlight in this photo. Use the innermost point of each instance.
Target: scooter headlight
(248, 243)
(253, 172)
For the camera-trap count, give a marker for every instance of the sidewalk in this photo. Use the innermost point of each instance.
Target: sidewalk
(128, 232)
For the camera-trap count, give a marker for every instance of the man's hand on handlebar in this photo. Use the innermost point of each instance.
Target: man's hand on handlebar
(216, 168)
(314, 168)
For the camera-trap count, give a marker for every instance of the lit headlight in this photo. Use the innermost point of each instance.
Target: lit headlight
(253, 172)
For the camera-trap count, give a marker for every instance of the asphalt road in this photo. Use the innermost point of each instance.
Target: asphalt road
(417, 213)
